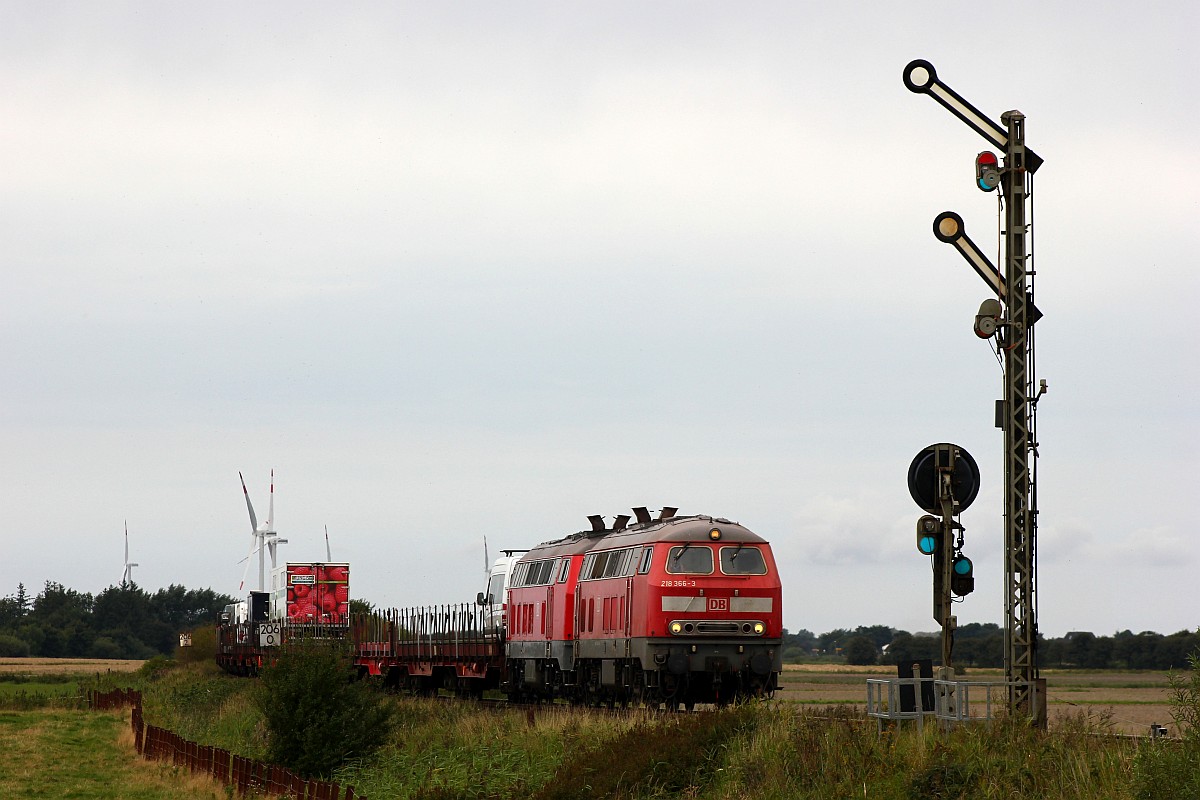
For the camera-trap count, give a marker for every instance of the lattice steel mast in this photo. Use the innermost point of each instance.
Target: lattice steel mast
(1018, 414)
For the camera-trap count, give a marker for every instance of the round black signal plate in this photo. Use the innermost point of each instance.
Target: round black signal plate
(922, 483)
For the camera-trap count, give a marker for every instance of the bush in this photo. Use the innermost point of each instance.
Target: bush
(104, 647)
(203, 648)
(318, 717)
(670, 757)
(860, 651)
(154, 668)
(12, 647)
(1165, 770)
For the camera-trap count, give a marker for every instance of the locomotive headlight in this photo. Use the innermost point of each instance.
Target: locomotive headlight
(715, 534)
(676, 627)
(759, 628)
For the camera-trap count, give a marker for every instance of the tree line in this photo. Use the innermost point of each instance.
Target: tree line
(129, 622)
(982, 645)
(119, 622)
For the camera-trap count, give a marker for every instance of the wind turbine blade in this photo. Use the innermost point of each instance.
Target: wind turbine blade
(328, 555)
(271, 507)
(249, 560)
(487, 562)
(125, 575)
(249, 505)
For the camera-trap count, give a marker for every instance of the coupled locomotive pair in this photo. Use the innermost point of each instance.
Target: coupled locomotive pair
(669, 609)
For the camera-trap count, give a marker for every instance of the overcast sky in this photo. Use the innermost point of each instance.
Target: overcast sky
(482, 269)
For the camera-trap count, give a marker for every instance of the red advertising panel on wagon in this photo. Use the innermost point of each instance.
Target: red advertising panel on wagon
(314, 592)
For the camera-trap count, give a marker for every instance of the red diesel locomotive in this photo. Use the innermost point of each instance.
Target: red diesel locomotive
(668, 610)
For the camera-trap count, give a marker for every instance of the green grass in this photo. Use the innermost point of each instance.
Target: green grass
(762, 751)
(19, 691)
(206, 706)
(81, 755)
(451, 749)
(441, 750)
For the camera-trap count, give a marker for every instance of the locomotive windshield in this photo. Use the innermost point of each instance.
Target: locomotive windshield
(742, 560)
(690, 560)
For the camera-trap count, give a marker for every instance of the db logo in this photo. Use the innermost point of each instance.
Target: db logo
(718, 604)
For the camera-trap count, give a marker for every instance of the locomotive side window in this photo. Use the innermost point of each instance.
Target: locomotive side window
(542, 573)
(533, 573)
(599, 562)
(618, 560)
(644, 564)
(562, 572)
(606, 564)
(690, 560)
(742, 560)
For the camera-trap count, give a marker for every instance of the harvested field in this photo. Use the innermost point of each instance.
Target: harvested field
(57, 666)
(1128, 701)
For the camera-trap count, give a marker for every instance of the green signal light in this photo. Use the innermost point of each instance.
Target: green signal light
(962, 581)
(929, 535)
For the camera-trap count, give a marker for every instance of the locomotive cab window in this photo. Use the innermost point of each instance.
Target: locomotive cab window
(690, 560)
(741, 560)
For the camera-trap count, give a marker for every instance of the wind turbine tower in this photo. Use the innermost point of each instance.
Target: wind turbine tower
(127, 576)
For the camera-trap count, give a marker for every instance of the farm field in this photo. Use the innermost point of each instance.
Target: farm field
(52, 666)
(1129, 701)
(29, 683)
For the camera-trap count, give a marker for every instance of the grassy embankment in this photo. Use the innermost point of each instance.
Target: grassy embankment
(758, 752)
(761, 751)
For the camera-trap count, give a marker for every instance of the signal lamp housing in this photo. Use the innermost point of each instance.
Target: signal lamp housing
(987, 171)
(929, 535)
(962, 576)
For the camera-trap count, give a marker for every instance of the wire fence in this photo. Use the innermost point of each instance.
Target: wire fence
(244, 775)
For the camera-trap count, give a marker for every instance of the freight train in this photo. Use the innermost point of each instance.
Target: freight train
(673, 610)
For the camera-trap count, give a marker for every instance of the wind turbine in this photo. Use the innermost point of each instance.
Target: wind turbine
(263, 537)
(127, 576)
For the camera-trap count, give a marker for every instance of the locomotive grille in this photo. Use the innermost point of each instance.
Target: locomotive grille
(716, 627)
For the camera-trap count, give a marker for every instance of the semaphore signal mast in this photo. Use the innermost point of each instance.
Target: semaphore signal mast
(1009, 318)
